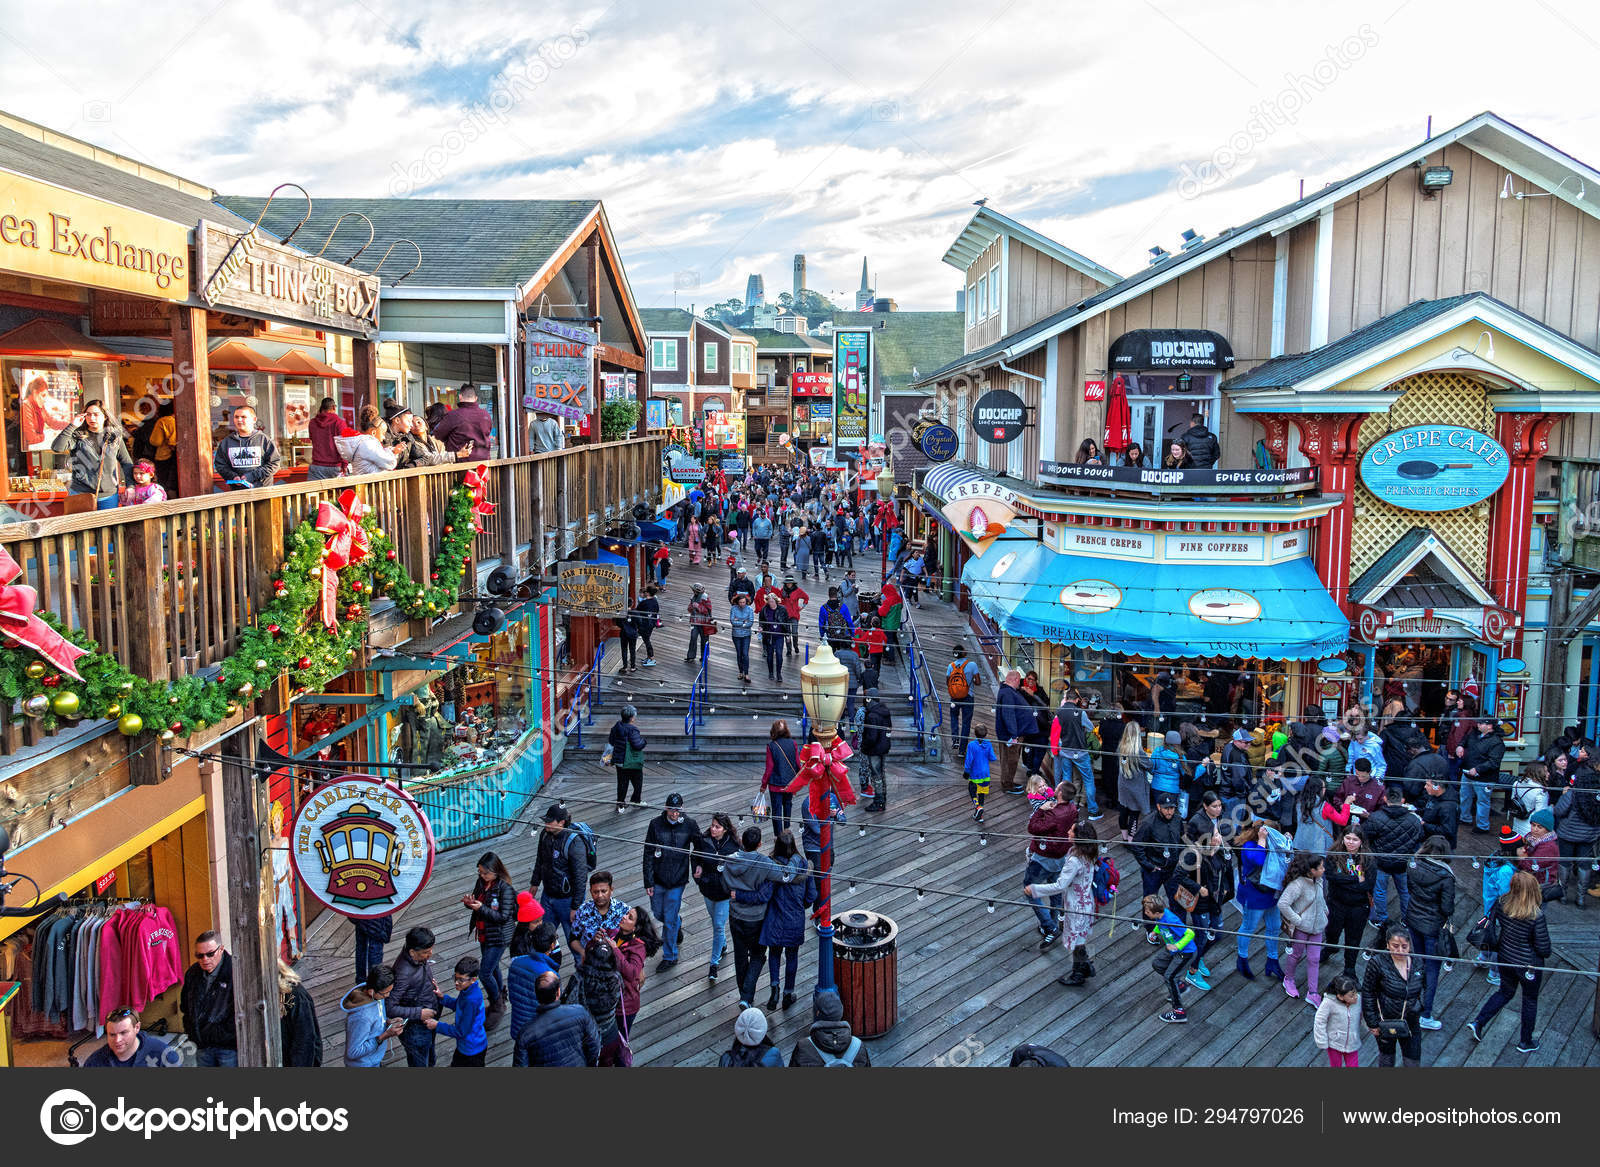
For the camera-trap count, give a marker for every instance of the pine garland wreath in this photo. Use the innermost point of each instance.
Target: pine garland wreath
(288, 637)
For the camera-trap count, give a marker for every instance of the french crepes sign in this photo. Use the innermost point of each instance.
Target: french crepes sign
(977, 509)
(362, 846)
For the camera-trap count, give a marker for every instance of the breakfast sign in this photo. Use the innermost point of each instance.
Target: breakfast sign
(1434, 467)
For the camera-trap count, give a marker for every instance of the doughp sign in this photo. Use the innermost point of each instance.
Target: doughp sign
(998, 417)
(361, 846)
(1434, 467)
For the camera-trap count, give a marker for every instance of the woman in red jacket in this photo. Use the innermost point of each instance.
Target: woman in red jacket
(637, 941)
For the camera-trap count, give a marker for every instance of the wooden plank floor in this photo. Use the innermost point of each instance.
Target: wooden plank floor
(969, 979)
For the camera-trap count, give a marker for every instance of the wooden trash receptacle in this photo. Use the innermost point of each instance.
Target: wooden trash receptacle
(865, 967)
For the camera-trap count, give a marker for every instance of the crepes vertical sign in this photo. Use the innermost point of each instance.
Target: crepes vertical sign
(852, 384)
(559, 364)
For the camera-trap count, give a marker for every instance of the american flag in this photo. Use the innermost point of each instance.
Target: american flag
(867, 307)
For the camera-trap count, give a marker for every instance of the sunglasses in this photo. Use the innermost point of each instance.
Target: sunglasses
(123, 1014)
(208, 955)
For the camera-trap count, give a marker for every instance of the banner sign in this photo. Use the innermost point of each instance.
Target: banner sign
(902, 421)
(852, 377)
(1434, 467)
(259, 275)
(1070, 473)
(593, 589)
(559, 364)
(679, 465)
(811, 384)
(361, 846)
(998, 417)
(1170, 348)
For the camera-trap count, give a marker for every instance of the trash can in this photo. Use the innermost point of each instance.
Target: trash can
(865, 967)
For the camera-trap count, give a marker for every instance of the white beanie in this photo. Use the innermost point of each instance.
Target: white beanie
(751, 1027)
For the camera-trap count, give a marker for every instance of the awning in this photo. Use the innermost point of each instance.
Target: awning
(658, 531)
(53, 341)
(295, 362)
(1277, 612)
(234, 356)
(1146, 349)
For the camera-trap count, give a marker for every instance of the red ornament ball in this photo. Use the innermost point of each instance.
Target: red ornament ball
(177, 728)
(434, 575)
(273, 630)
(392, 555)
(51, 681)
(303, 663)
(448, 528)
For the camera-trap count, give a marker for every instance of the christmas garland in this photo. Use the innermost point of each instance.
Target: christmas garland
(287, 638)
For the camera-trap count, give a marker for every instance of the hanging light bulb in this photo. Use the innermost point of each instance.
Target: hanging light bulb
(1413, 863)
(920, 893)
(921, 838)
(991, 907)
(1476, 864)
(852, 887)
(863, 832)
(983, 839)
(658, 852)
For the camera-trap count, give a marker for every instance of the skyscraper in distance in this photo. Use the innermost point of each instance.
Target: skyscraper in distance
(799, 275)
(755, 290)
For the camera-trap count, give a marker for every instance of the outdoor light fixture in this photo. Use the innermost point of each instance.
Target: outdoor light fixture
(1433, 179)
(885, 480)
(824, 685)
(1507, 193)
(488, 620)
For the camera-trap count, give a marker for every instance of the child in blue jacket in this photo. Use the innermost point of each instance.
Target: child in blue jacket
(472, 1040)
(980, 756)
(1177, 950)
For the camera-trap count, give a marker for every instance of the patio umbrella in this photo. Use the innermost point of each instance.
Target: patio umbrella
(1119, 419)
(55, 341)
(296, 362)
(234, 356)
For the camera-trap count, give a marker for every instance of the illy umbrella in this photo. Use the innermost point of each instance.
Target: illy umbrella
(1119, 420)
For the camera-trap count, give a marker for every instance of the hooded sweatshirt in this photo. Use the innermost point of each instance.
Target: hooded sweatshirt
(750, 875)
(829, 1035)
(363, 1027)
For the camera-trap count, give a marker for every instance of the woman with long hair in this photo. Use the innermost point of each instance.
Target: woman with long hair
(1577, 814)
(711, 850)
(1133, 780)
(1206, 871)
(1035, 743)
(1524, 949)
(1133, 456)
(598, 988)
(1313, 833)
(1349, 879)
(783, 765)
(783, 929)
(1433, 901)
(638, 939)
(1304, 908)
(694, 541)
(1258, 897)
(1088, 452)
(1075, 884)
(365, 450)
(493, 902)
(302, 1036)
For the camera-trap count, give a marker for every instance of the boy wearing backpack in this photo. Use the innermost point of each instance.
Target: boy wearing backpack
(829, 1042)
(960, 681)
(834, 623)
(562, 864)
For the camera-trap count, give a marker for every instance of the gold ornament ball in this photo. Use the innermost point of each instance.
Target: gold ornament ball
(231, 710)
(37, 705)
(245, 691)
(35, 669)
(66, 704)
(130, 724)
(168, 737)
(114, 710)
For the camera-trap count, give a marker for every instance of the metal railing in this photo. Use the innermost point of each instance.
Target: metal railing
(922, 690)
(696, 717)
(586, 695)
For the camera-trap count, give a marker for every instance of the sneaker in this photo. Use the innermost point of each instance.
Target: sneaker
(979, 816)
(666, 966)
(1430, 1023)
(650, 663)
(1531, 1047)
(1201, 969)
(1494, 980)
(711, 974)
(620, 809)
(1289, 988)
(1094, 818)
(1193, 978)
(1048, 942)
(1151, 938)
(1313, 999)
(1175, 1016)
(1472, 1028)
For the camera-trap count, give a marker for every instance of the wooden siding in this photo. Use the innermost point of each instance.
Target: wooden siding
(1038, 285)
(678, 377)
(718, 377)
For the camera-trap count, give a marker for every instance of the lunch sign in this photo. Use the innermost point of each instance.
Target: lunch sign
(1434, 467)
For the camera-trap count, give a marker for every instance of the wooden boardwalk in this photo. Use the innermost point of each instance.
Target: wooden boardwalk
(972, 983)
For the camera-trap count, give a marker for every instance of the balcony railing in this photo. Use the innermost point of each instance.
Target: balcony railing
(167, 587)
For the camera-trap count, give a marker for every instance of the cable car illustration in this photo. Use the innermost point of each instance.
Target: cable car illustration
(360, 854)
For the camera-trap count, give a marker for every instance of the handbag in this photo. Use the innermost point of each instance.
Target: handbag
(1395, 1029)
(606, 755)
(1185, 899)
(1485, 934)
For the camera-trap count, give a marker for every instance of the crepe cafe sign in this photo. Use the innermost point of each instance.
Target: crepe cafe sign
(256, 274)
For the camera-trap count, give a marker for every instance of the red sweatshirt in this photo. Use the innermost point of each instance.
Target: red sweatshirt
(324, 428)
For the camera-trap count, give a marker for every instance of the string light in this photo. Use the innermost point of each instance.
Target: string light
(920, 893)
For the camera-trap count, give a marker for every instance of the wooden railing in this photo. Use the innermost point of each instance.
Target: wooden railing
(166, 587)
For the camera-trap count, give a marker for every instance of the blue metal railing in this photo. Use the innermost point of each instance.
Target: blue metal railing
(698, 689)
(922, 691)
(805, 716)
(586, 693)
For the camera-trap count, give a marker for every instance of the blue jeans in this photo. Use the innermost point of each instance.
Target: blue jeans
(1043, 869)
(1426, 946)
(417, 1039)
(961, 726)
(1254, 919)
(320, 472)
(1475, 801)
(494, 985)
(718, 911)
(1083, 774)
(369, 954)
(560, 912)
(210, 1056)
(782, 810)
(107, 502)
(741, 653)
(665, 903)
(1380, 895)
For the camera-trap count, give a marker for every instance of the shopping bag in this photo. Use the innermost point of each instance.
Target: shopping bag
(761, 806)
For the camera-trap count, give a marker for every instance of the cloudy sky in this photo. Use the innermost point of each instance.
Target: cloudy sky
(726, 136)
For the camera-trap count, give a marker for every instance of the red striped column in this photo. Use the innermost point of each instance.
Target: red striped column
(1329, 441)
(1526, 438)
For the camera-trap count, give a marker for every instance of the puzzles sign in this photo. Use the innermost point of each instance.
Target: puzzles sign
(559, 364)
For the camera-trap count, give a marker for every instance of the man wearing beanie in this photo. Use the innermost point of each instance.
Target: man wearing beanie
(1541, 853)
(829, 1043)
(751, 1045)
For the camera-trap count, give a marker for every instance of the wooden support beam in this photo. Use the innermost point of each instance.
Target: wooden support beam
(147, 654)
(592, 280)
(192, 401)
(251, 905)
(364, 358)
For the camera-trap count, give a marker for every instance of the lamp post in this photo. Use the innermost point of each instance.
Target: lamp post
(885, 484)
(824, 687)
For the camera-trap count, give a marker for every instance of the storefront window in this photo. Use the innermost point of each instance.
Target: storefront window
(42, 397)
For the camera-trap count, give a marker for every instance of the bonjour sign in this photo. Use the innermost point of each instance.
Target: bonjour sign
(258, 275)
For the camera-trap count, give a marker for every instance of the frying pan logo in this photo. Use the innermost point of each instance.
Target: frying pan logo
(1002, 564)
(1224, 606)
(1090, 597)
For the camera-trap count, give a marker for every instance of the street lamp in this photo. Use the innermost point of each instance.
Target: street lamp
(824, 688)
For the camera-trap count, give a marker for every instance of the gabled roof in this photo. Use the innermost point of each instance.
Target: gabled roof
(770, 340)
(988, 225)
(466, 243)
(1490, 135)
(1420, 570)
(907, 341)
(666, 321)
(735, 333)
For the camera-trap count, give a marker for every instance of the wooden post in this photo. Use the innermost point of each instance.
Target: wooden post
(251, 902)
(192, 401)
(364, 359)
(418, 553)
(147, 647)
(592, 255)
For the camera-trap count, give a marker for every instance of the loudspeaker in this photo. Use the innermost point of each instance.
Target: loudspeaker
(501, 581)
(488, 621)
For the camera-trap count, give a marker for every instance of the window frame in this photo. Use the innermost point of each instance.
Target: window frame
(660, 346)
(708, 356)
(972, 304)
(994, 290)
(983, 298)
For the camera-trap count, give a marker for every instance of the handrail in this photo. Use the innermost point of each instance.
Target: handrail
(698, 689)
(586, 692)
(921, 691)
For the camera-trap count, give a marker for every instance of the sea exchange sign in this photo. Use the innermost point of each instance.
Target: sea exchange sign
(1434, 467)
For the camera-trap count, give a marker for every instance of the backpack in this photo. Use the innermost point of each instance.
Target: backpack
(838, 626)
(844, 1059)
(1105, 880)
(591, 853)
(955, 681)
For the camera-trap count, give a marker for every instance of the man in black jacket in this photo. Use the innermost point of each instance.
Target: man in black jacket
(416, 998)
(206, 1003)
(666, 872)
(1481, 755)
(1201, 443)
(1394, 834)
(1425, 764)
(875, 729)
(1158, 845)
(1440, 813)
(561, 865)
(1237, 773)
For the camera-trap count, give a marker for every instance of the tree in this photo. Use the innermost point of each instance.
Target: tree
(814, 305)
(729, 310)
(785, 300)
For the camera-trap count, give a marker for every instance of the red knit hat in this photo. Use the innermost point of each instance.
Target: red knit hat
(529, 910)
(1509, 837)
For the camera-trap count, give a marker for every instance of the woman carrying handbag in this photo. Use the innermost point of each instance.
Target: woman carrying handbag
(783, 766)
(1520, 939)
(1391, 999)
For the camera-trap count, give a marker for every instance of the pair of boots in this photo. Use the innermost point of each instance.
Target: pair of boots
(494, 1013)
(1082, 968)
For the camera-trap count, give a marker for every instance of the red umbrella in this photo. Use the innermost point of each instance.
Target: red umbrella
(1119, 420)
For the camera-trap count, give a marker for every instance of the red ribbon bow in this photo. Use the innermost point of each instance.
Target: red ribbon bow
(19, 624)
(477, 481)
(823, 772)
(348, 544)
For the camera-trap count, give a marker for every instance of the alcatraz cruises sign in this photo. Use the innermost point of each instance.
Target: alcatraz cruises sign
(361, 846)
(1434, 467)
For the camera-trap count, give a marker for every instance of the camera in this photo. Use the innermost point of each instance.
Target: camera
(72, 1118)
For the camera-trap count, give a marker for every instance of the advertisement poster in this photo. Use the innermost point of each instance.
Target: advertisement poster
(655, 414)
(296, 409)
(50, 398)
(852, 375)
(559, 363)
